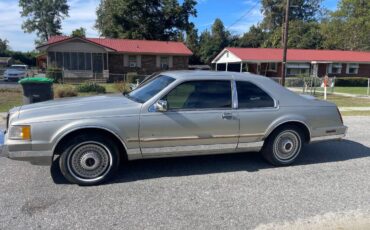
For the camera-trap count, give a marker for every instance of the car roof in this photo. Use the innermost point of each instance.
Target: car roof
(204, 74)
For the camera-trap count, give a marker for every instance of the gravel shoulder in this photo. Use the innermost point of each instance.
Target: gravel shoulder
(328, 188)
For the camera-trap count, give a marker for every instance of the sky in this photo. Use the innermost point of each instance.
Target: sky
(237, 16)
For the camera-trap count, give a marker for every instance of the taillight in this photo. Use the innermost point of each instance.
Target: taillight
(340, 115)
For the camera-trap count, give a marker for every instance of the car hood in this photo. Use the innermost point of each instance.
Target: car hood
(14, 71)
(78, 108)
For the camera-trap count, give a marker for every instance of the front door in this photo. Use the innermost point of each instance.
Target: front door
(199, 120)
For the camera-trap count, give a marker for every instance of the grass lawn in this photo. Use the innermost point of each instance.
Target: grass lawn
(343, 101)
(9, 98)
(350, 90)
(355, 113)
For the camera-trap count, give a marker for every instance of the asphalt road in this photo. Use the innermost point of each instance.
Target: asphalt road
(329, 187)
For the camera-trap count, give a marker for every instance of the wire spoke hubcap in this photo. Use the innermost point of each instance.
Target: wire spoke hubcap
(89, 161)
(287, 144)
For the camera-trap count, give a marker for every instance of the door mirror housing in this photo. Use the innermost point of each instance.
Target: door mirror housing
(161, 106)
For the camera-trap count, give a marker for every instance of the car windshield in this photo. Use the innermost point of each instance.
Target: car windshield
(150, 88)
(17, 67)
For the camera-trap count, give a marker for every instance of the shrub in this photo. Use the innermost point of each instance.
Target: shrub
(122, 87)
(55, 74)
(351, 81)
(65, 91)
(91, 87)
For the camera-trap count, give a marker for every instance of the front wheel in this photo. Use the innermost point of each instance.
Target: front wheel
(89, 160)
(283, 146)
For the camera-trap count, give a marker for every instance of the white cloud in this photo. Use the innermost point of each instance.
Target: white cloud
(82, 13)
(249, 17)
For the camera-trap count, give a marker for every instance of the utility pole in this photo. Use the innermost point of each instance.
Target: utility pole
(285, 41)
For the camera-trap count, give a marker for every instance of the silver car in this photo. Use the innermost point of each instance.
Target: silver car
(178, 113)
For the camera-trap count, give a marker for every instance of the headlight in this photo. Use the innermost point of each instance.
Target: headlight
(20, 132)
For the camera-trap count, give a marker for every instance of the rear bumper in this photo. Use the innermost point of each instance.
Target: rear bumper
(339, 133)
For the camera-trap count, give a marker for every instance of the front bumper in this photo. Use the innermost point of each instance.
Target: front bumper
(34, 157)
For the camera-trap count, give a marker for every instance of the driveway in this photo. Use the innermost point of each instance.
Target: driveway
(329, 187)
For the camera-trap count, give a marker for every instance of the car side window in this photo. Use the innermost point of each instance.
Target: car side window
(200, 95)
(252, 96)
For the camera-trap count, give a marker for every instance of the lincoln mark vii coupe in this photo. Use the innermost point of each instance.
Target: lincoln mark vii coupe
(172, 114)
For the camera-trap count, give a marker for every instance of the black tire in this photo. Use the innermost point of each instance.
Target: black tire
(89, 159)
(283, 145)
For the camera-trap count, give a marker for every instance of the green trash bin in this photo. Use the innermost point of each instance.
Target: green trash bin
(36, 89)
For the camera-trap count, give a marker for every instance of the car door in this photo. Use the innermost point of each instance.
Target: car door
(256, 110)
(199, 120)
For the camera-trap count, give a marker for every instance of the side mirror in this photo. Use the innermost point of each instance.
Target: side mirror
(161, 106)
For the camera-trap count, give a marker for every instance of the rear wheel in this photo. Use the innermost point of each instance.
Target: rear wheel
(89, 160)
(283, 146)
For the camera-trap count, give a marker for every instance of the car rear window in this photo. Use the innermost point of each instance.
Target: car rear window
(252, 96)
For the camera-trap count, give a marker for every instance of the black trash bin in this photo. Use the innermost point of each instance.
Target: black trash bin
(36, 89)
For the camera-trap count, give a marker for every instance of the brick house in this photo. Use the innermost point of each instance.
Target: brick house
(268, 61)
(111, 58)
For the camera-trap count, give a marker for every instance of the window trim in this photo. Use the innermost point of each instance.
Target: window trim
(330, 67)
(271, 69)
(276, 102)
(203, 109)
(348, 67)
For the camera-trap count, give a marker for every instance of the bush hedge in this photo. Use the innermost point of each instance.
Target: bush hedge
(351, 81)
(55, 74)
(65, 91)
(91, 87)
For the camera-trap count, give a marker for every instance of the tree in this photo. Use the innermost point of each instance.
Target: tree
(348, 27)
(80, 32)
(255, 37)
(192, 42)
(273, 11)
(144, 19)
(43, 17)
(3, 46)
(302, 35)
(211, 43)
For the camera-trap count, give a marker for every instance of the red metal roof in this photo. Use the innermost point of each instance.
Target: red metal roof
(274, 54)
(133, 46)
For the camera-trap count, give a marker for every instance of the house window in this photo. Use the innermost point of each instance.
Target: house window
(298, 69)
(66, 61)
(352, 68)
(273, 66)
(335, 68)
(74, 61)
(132, 61)
(88, 61)
(59, 57)
(81, 61)
(164, 62)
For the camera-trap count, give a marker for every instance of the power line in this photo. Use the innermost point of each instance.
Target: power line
(244, 15)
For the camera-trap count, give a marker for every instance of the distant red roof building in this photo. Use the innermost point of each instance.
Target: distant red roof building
(267, 61)
(132, 46)
(300, 55)
(111, 59)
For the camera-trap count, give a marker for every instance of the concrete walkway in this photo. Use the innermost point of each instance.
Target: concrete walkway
(354, 108)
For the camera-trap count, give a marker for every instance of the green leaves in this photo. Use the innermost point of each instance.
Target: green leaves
(144, 19)
(43, 17)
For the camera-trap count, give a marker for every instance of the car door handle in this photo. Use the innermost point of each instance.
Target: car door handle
(227, 116)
